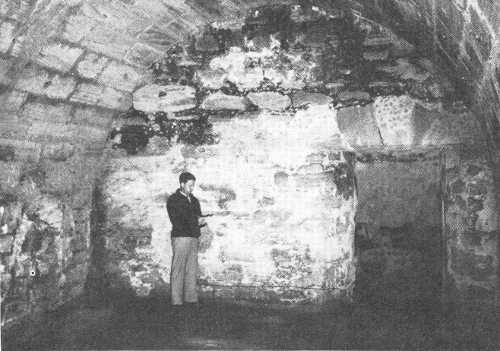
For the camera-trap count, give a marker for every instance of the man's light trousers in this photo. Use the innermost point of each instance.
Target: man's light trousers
(184, 270)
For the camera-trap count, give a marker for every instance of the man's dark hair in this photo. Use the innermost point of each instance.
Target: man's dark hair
(185, 177)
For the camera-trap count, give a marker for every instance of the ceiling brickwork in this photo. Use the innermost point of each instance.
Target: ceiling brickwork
(93, 54)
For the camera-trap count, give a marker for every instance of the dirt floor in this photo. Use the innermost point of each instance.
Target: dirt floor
(130, 323)
(401, 310)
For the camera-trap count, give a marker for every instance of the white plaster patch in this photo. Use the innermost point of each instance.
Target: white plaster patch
(294, 137)
(211, 79)
(235, 60)
(258, 224)
(246, 79)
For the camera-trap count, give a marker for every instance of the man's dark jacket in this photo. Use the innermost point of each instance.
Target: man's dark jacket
(184, 215)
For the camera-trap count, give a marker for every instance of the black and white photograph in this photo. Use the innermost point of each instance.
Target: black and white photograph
(250, 175)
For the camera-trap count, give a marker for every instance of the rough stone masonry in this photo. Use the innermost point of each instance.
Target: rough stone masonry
(282, 95)
(276, 127)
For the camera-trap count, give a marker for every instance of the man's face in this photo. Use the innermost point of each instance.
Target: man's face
(187, 187)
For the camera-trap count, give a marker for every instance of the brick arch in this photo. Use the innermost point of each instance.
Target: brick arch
(95, 52)
(81, 60)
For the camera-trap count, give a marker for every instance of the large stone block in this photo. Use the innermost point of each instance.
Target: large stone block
(5, 74)
(92, 94)
(51, 132)
(120, 76)
(159, 8)
(158, 38)
(91, 66)
(179, 29)
(10, 173)
(356, 95)
(12, 100)
(115, 99)
(448, 129)
(220, 101)
(6, 153)
(142, 55)
(60, 178)
(247, 79)
(46, 112)
(78, 26)
(87, 93)
(33, 80)
(406, 70)
(40, 82)
(58, 151)
(23, 150)
(270, 100)
(90, 135)
(6, 243)
(129, 19)
(59, 57)
(234, 60)
(357, 125)
(109, 41)
(17, 48)
(301, 99)
(93, 116)
(394, 116)
(9, 117)
(211, 79)
(153, 98)
(6, 36)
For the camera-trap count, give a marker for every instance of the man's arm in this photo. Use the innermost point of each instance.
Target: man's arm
(201, 220)
(198, 208)
(175, 213)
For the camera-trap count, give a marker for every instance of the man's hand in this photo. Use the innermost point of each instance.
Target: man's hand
(201, 221)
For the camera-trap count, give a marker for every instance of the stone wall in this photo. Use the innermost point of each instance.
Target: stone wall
(68, 67)
(471, 226)
(45, 209)
(463, 34)
(283, 205)
(385, 99)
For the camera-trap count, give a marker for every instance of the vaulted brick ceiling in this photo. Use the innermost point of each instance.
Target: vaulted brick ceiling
(133, 31)
(68, 66)
(80, 60)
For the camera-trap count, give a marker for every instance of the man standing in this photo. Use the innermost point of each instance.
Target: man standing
(185, 214)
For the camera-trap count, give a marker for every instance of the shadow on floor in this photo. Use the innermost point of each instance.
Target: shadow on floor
(132, 323)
